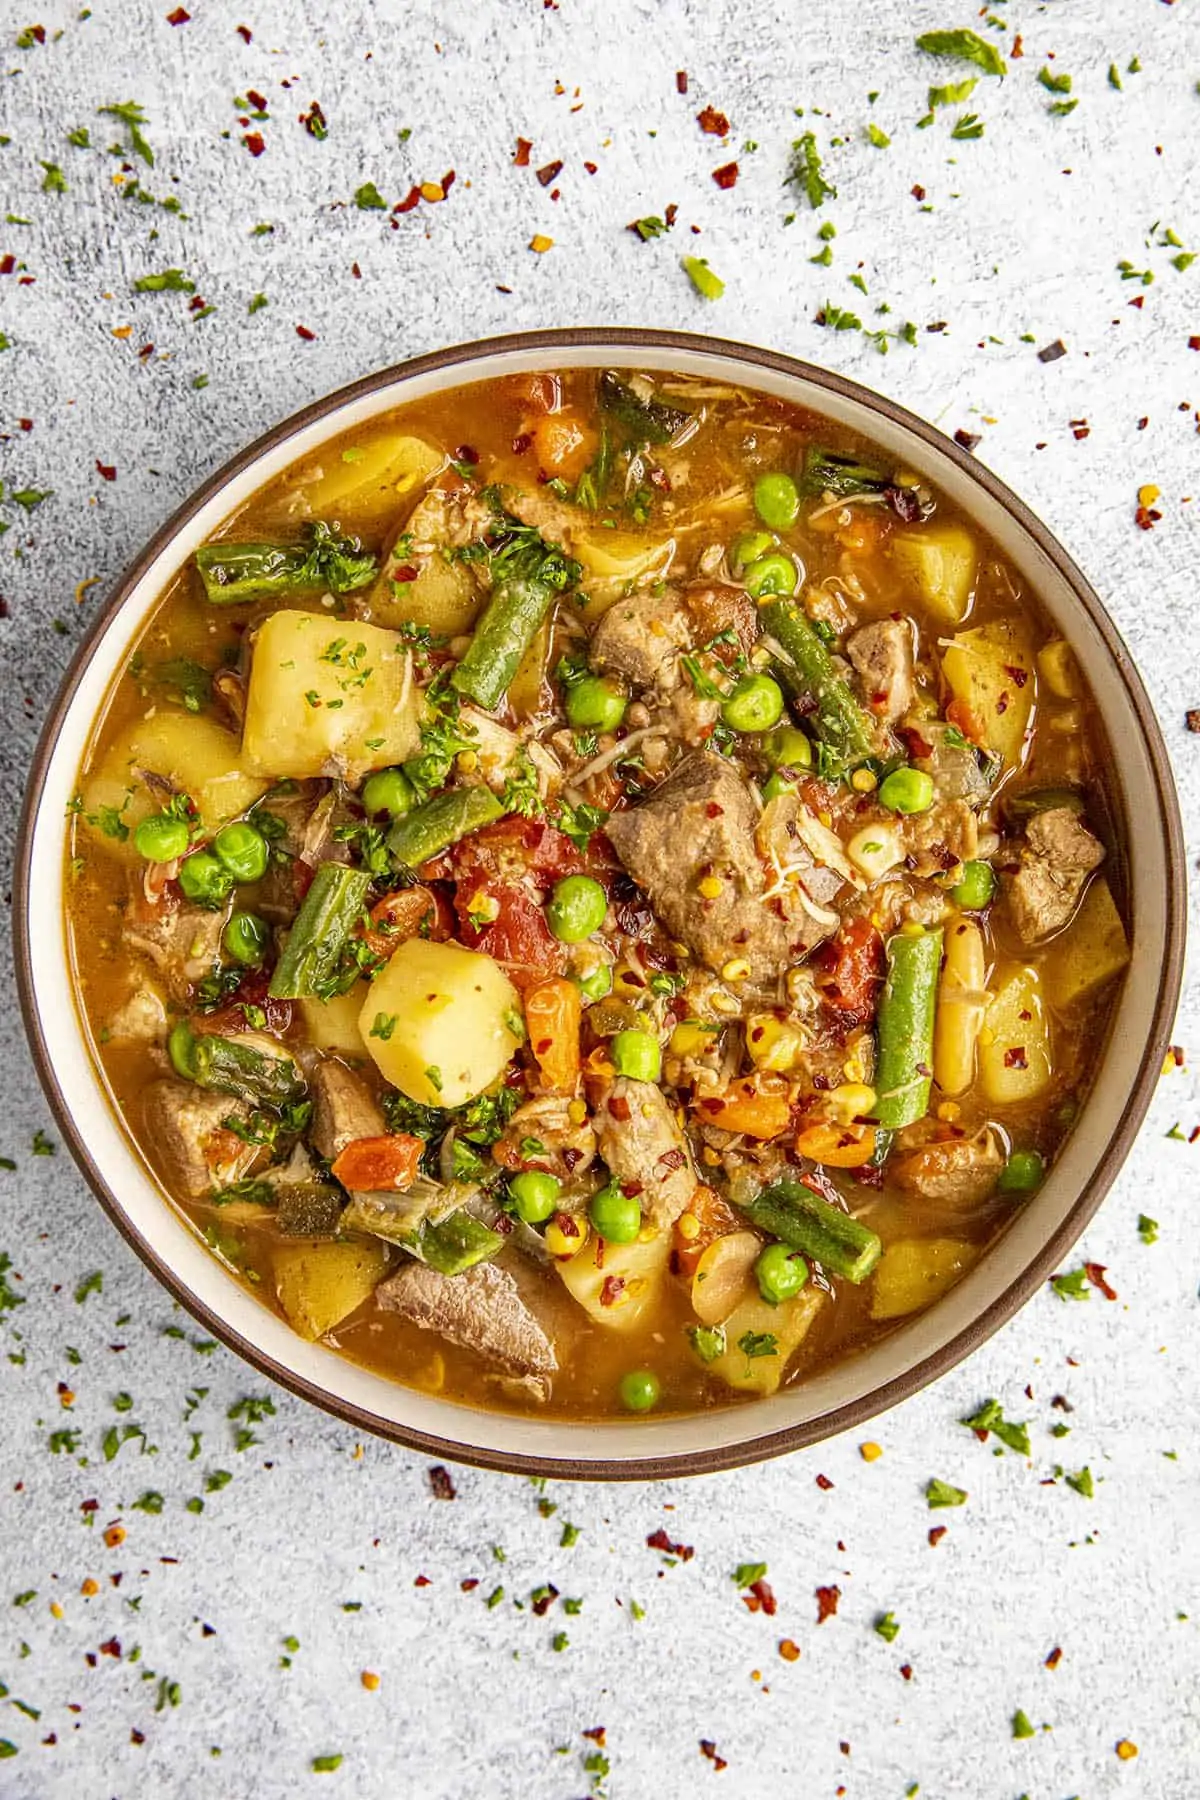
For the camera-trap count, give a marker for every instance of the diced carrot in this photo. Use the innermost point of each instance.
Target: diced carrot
(705, 1218)
(378, 1164)
(747, 1108)
(563, 443)
(553, 1015)
(838, 1146)
(868, 527)
(960, 715)
(398, 917)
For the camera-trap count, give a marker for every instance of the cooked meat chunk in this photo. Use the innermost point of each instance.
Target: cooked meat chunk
(344, 1108)
(447, 518)
(698, 827)
(184, 942)
(640, 637)
(1058, 856)
(882, 655)
(644, 1149)
(142, 1017)
(567, 1149)
(195, 1149)
(941, 838)
(961, 1171)
(716, 608)
(480, 1309)
(557, 522)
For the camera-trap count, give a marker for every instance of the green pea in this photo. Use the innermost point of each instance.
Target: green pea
(598, 984)
(776, 501)
(534, 1195)
(205, 880)
(637, 1055)
(1021, 1173)
(596, 703)
(388, 791)
(907, 791)
(576, 909)
(749, 546)
(181, 1047)
(755, 704)
(788, 748)
(243, 851)
(639, 1390)
(773, 574)
(777, 784)
(162, 838)
(616, 1216)
(245, 938)
(976, 887)
(781, 1273)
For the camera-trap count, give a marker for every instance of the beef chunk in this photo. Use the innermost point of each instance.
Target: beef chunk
(882, 655)
(645, 1150)
(194, 1148)
(184, 942)
(1058, 856)
(480, 1309)
(716, 608)
(639, 638)
(938, 840)
(344, 1108)
(961, 1171)
(447, 518)
(699, 825)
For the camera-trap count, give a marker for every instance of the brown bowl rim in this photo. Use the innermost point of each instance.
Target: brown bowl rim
(557, 344)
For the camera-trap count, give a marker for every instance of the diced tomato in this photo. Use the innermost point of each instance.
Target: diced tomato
(379, 1164)
(747, 1107)
(238, 1014)
(852, 970)
(404, 914)
(538, 393)
(958, 713)
(516, 936)
(516, 847)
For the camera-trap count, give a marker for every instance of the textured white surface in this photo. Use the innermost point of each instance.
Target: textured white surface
(476, 1701)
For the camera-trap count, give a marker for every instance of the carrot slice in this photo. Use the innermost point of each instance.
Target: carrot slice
(838, 1146)
(747, 1108)
(553, 1014)
(377, 1164)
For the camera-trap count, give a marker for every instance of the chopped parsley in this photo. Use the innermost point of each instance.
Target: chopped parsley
(1073, 1286)
(746, 1574)
(990, 1417)
(91, 1284)
(1147, 1229)
(887, 1627)
(941, 1493)
(759, 1343)
(964, 46)
(806, 174)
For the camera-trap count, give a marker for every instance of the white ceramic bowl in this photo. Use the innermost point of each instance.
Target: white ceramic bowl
(1149, 868)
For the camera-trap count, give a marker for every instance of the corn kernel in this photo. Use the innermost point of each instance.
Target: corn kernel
(1148, 495)
(370, 1680)
(912, 928)
(711, 1157)
(862, 781)
(1125, 1749)
(870, 1452)
(114, 1536)
(852, 1100)
(711, 886)
(772, 1043)
(541, 244)
(736, 969)
(688, 1227)
(691, 1037)
(89, 1587)
(56, 1611)
(466, 762)
(826, 819)
(789, 1649)
(577, 1112)
(1168, 1063)
(565, 1244)
(66, 1398)
(432, 191)
(948, 1111)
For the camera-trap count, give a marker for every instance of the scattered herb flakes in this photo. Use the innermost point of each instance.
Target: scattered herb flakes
(257, 302)
(953, 93)
(706, 283)
(91, 1284)
(746, 1574)
(941, 1493)
(368, 198)
(54, 181)
(838, 318)
(990, 1418)
(168, 281)
(325, 1765)
(965, 46)
(570, 1536)
(1082, 1482)
(969, 126)
(1021, 1727)
(806, 173)
(1054, 83)
(559, 1641)
(887, 1626)
(1073, 1286)
(1147, 1231)
(9, 1298)
(876, 136)
(133, 118)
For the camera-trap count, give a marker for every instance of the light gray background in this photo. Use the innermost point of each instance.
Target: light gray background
(1023, 234)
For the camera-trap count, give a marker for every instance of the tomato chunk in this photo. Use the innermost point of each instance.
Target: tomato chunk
(852, 972)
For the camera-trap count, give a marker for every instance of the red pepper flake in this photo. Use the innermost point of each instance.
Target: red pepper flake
(619, 1109)
(764, 1596)
(89, 1506)
(245, 33)
(1054, 1658)
(681, 81)
(726, 176)
(302, 331)
(611, 1290)
(107, 470)
(1096, 1275)
(524, 146)
(1193, 342)
(313, 120)
(918, 192)
(936, 1535)
(1191, 719)
(1019, 676)
(38, 32)
(545, 1600)
(441, 1486)
(136, 1736)
(672, 1159)
(827, 1603)
(7, 264)
(824, 1483)
(658, 1540)
(709, 1749)
(1016, 1058)
(411, 199)
(111, 1647)
(1018, 49)
(258, 101)
(1080, 429)
(254, 142)
(591, 167)
(968, 439)
(422, 1581)
(713, 122)
(469, 1585)
(549, 172)
(178, 17)
(906, 1671)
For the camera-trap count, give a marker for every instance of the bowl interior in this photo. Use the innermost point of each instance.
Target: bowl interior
(1147, 825)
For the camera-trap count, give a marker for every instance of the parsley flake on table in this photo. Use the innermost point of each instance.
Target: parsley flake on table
(990, 1417)
(806, 173)
(131, 115)
(746, 1574)
(1147, 1229)
(965, 46)
(1073, 1286)
(91, 1284)
(887, 1627)
(169, 281)
(1021, 1727)
(368, 198)
(705, 281)
(940, 1493)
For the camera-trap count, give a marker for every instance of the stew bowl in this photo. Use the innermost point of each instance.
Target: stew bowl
(1148, 857)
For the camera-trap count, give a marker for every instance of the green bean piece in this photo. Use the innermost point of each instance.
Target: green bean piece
(234, 574)
(839, 721)
(455, 1243)
(329, 913)
(905, 1028)
(820, 1231)
(825, 472)
(428, 829)
(230, 1066)
(650, 420)
(509, 625)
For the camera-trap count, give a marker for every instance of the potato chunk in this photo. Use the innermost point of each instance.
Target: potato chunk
(941, 561)
(1015, 1057)
(761, 1338)
(319, 1284)
(190, 751)
(991, 673)
(332, 1025)
(441, 1022)
(328, 697)
(1090, 952)
(617, 1292)
(371, 477)
(914, 1272)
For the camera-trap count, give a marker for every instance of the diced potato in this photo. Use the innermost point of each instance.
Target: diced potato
(318, 1284)
(771, 1042)
(1090, 952)
(914, 1272)
(328, 697)
(724, 1275)
(332, 1025)
(444, 596)
(371, 477)
(640, 1267)
(787, 1324)
(528, 690)
(990, 672)
(876, 849)
(191, 751)
(613, 560)
(1016, 1060)
(455, 1021)
(1059, 670)
(942, 561)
